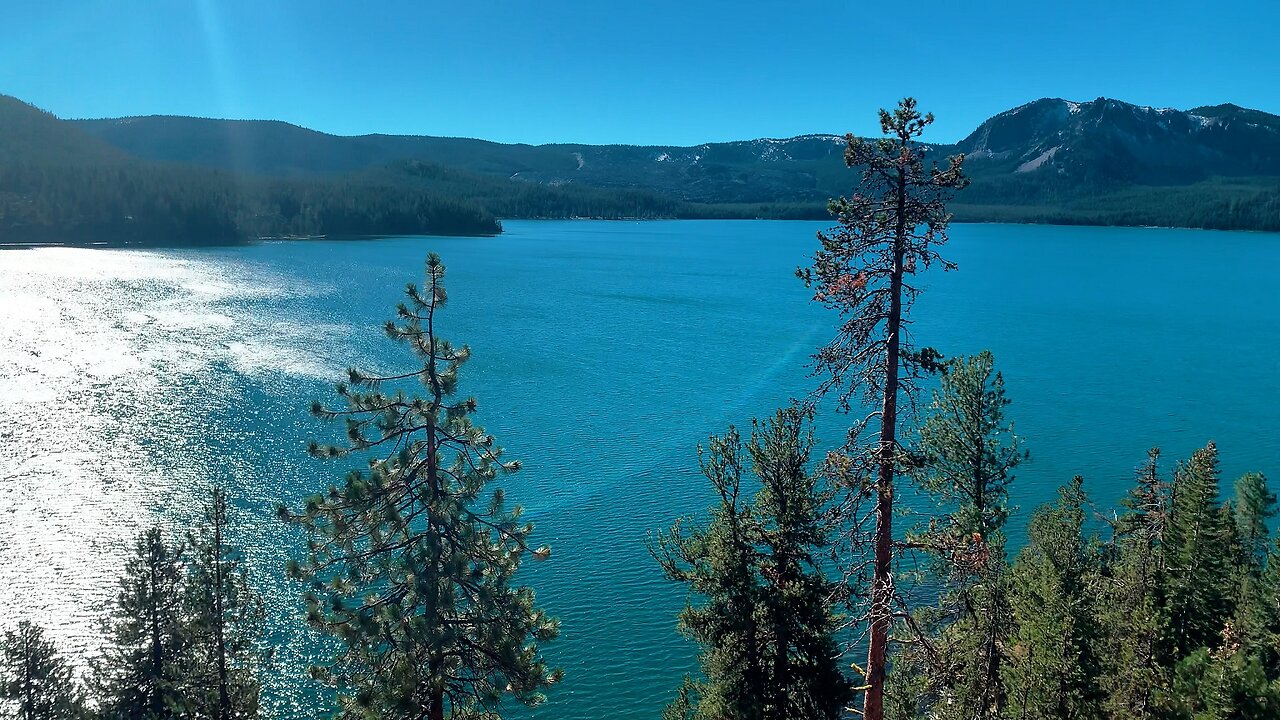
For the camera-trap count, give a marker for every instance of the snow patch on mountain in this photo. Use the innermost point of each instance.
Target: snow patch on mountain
(772, 150)
(1039, 160)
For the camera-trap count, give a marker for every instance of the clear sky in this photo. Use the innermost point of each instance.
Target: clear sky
(634, 71)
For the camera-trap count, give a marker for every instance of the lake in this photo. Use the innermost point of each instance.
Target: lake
(604, 352)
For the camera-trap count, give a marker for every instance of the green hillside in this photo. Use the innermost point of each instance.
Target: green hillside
(31, 135)
(1052, 160)
(192, 180)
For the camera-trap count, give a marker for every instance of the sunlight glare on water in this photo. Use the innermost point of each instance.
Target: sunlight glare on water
(105, 365)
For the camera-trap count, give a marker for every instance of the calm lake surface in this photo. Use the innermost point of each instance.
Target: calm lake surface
(604, 352)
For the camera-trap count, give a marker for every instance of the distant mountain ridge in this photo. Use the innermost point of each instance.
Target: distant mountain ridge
(32, 135)
(1051, 160)
(1122, 142)
(59, 184)
(1045, 148)
(700, 173)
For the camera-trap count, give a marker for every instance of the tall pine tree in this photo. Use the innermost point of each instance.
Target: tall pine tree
(36, 681)
(1132, 609)
(223, 622)
(142, 674)
(805, 681)
(966, 456)
(763, 615)
(1053, 661)
(1199, 557)
(888, 229)
(409, 566)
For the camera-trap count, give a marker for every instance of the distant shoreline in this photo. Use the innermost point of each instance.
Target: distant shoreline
(151, 245)
(154, 245)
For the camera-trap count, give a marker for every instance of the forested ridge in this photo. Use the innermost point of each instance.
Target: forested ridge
(190, 180)
(134, 203)
(1101, 162)
(58, 184)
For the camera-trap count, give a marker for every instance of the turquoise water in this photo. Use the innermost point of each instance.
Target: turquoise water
(603, 353)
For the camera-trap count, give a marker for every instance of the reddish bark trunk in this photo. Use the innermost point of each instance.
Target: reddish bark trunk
(882, 578)
(436, 711)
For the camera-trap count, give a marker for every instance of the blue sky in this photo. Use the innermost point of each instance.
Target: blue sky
(604, 71)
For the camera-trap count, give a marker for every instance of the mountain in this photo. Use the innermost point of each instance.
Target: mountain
(1109, 141)
(31, 135)
(1052, 160)
(754, 171)
(1108, 162)
(59, 184)
(191, 181)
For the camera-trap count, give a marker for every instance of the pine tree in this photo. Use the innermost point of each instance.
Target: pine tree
(141, 675)
(1254, 506)
(952, 665)
(1223, 683)
(1264, 627)
(887, 232)
(36, 682)
(1238, 674)
(1132, 610)
(223, 622)
(805, 680)
(1257, 616)
(1147, 509)
(967, 453)
(1199, 557)
(1052, 669)
(407, 566)
(764, 622)
(718, 563)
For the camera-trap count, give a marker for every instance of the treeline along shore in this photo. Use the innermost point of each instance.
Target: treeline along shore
(177, 181)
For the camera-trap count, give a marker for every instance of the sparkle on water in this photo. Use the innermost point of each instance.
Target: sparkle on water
(603, 353)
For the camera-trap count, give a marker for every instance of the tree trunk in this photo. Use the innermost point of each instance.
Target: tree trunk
(781, 659)
(435, 667)
(436, 711)
(882, 577)
(224, 695)
(28, 676)
(993, 693)
(979, 480)
(745, 599)
(157, 648)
